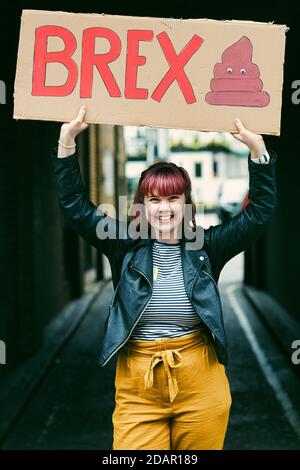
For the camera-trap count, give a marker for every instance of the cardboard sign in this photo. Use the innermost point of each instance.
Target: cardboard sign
(188, 74)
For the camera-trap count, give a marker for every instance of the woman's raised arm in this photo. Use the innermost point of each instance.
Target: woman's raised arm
(226, 240)
(105, 233)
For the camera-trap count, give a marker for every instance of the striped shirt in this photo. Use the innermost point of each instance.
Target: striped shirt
(169, 312)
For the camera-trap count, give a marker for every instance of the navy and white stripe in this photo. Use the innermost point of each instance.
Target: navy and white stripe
(169, 312)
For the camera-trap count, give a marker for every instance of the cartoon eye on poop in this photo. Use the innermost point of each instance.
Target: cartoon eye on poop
(242, 71)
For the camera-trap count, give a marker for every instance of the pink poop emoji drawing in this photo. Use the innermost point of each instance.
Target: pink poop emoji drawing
(236, 80)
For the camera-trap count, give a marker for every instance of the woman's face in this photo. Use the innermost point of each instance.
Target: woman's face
(165, 214)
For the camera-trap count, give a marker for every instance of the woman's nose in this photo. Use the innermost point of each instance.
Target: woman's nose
(164, 205)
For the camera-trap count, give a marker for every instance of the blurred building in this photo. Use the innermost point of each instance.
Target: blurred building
(107, 181)
(144, 145)
(208, 167)
(209, 158)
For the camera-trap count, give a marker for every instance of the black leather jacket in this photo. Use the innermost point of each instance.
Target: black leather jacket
(131, 260)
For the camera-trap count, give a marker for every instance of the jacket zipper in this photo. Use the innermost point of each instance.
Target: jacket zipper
(113, 297)
(213, 335)
(139, 316)
(218, 295)
(212, 280)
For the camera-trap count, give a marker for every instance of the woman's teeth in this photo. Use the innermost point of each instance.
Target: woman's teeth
(165, 218)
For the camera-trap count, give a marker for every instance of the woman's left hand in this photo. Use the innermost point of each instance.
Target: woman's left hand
(254, 142)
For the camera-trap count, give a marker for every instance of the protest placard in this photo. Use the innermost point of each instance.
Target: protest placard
(142, 71)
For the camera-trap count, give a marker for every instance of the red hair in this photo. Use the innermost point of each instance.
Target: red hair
(163, 179)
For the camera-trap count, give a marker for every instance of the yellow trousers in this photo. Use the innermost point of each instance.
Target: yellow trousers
(171, 394)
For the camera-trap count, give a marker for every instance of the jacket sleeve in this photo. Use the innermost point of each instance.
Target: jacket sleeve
(97, 228)
(226, 240)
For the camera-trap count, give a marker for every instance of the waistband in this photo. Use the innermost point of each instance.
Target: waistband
(181, 343)
(165, 350)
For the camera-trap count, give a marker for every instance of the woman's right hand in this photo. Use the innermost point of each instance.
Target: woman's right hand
(69, 132)
(71, 129)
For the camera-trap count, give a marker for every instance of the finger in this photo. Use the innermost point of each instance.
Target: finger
(81, 113)
(239, 125)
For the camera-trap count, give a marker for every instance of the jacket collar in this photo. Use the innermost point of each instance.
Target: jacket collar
(191, 258)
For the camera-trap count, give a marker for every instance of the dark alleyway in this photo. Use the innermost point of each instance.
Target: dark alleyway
(72, 407)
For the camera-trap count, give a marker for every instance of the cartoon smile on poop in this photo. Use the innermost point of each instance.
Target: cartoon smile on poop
(236, 80)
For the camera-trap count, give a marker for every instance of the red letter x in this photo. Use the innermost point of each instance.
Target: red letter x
(177, 62)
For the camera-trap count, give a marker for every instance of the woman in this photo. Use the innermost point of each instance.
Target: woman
(165, 320)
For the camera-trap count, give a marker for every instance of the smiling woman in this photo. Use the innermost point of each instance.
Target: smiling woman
(165, 319)
(165, 191)
(165, 214)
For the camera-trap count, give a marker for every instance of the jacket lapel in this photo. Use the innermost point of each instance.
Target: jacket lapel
(143, 259)
(191, 261)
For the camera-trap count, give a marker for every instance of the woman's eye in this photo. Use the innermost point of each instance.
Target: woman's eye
(229, 70)
(243, 71)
